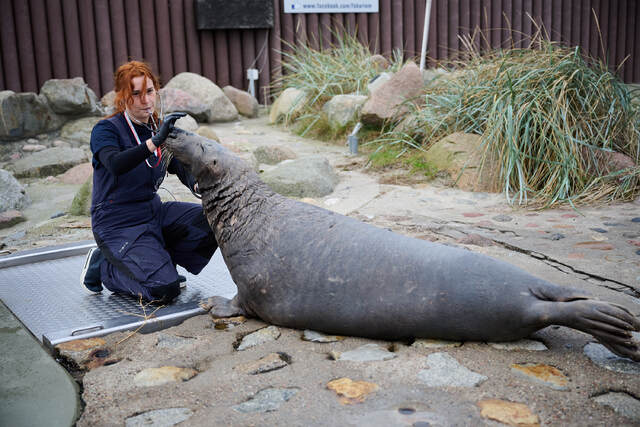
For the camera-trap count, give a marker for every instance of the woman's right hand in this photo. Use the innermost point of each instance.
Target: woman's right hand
(166, 128)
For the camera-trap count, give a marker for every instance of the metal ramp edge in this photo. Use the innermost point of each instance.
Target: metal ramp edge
(41, 287)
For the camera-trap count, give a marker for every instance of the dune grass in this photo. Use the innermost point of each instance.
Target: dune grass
(549, 114)
(340, 69)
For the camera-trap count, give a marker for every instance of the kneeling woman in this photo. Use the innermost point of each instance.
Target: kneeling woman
(140, 239)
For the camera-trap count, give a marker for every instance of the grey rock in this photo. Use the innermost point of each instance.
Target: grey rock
(12, 193)
(171, 341)
(152, 377)
(601, 356)
(388, 100)
(313, 336)
(343, 109)
(187, 123)
(307, 177)
(219, 107)
(30, 148)
(52, 161)
(622, 403)
(273, 154)
(529, 345)
(107, 102)
(208, 133)
(270, 333)
(10, 218)
(378, 62)
(177, 100)
(245, 103)
(266, 400)
(445, 371)
(431, 74)
(269, 363)
(502, 218)
(366, 353)
(79, 130)
(378, 81)
(26, 114)
(431, 343)
(288, 104)
(159, 418)
(69, 96)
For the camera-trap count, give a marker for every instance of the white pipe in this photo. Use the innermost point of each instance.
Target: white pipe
(425, 34)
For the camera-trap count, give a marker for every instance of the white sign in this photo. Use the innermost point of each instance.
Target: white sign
(330, 6)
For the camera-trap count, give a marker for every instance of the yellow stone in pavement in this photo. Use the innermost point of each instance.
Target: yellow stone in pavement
(351, 391)
(546, 374)
(157, 376)
(81, 345)
(511, 413)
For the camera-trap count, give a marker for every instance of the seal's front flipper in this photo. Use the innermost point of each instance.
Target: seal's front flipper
(223, 307)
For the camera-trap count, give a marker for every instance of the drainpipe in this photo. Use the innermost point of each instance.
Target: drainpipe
(425, 34)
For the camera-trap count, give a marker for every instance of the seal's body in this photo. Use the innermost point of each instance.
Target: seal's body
(302, 266)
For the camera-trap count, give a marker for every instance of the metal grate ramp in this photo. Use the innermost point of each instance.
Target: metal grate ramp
(42, 289)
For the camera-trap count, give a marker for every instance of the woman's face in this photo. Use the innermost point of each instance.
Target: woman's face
(142, 102)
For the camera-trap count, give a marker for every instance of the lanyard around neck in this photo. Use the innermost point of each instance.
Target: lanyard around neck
(135, 135)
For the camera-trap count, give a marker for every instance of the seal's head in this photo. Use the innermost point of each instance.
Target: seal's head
(210, 163)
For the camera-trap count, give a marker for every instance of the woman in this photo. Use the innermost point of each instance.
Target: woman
(140, 239)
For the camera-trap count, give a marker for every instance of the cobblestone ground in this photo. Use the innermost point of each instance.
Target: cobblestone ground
(245, 372)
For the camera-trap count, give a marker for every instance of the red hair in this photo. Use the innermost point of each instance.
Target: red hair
(123, 79)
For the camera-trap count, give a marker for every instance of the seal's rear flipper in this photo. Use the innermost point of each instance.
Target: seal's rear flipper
(223, 307)
(610, 324)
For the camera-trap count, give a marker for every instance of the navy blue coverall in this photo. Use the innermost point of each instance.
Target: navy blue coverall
(142, 238)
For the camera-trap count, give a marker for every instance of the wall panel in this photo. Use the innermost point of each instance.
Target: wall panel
(42, 39)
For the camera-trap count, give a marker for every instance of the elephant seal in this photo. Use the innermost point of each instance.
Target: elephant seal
(301, 266)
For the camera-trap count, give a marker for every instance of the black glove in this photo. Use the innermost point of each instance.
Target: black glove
(166, 128)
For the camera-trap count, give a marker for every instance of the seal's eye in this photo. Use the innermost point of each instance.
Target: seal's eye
(215, 162)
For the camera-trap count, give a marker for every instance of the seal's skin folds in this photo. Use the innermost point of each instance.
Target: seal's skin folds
(301, 266)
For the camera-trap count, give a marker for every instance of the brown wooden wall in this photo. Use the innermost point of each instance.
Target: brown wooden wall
(44, 39)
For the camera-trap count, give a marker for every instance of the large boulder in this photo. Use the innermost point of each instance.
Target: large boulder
(52, 161)
(207, 132)
(10, 218)
(70, 96)
(306, 177)
(79, 130)
(174, 99)
(77, 175)
(245, 103)
(107, 103)
(388, 101)
(273, 154)
(378, 81)
(12, 194)
(343, 109)
(288, 104)
(459, 157)
(187, 123)
(378, 62)
(26, 114)
(220, 109)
